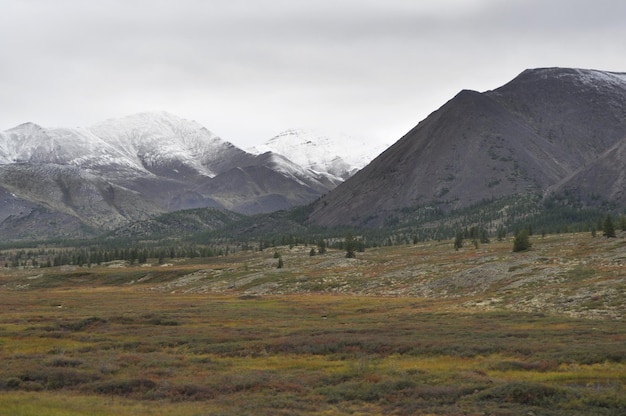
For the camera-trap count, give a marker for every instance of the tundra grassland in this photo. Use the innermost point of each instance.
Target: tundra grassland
(402, 330)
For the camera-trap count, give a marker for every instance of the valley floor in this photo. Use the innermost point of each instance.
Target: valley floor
(414, 329)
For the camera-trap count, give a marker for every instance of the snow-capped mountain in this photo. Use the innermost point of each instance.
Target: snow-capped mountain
(142, 142)
(136, 166)
(337, 155)
(158, 140)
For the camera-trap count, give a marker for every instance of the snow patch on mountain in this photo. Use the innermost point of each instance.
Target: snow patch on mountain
(593, 77)
(588, 77)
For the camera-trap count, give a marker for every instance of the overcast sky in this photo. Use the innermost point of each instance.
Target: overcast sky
(249, 69)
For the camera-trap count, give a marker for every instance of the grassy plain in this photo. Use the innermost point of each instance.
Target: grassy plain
(416, 329)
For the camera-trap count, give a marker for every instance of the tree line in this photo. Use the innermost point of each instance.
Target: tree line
(352, 240)
(54, 257)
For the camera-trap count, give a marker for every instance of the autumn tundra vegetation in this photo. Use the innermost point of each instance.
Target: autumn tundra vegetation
(416, 327)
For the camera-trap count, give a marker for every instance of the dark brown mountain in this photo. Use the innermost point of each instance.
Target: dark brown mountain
(524, 137)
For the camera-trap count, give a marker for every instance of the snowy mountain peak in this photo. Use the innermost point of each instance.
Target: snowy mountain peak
(589, 77)
(158, 122)
(28, 126)
(337, 154)
(157, 138)
(144, 142)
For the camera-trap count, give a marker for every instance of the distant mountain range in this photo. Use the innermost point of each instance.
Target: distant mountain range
(553, 132)
(80, 181)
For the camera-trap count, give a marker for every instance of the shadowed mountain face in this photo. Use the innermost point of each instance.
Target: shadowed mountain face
(525, 137)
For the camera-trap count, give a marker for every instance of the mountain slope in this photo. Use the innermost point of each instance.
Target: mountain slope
(598, 183)
(521, 138)
(74, 192)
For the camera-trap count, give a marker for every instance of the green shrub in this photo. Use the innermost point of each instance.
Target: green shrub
(57, 378)
(81, 325)
(533, 394)
(12, 383)
(520, 365)
(521, 241)
(65, 362)
(123, 387)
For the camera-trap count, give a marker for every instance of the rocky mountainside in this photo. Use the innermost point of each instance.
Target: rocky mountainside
(602, 182)
(529, 136)
(76, 181)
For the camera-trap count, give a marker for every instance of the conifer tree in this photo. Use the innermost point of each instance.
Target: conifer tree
(321, 246)
(350, 245)
(501, 233)
(608, 228)
(521, 241)
(458, 240)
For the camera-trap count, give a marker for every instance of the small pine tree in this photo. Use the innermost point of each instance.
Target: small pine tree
(484, 236)
(280, 263)
(350, 245)
(458, 240)
(321, 246)
(361, 246)
(501, 233)
(608, 228)
(312, 252)
(521, 241)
